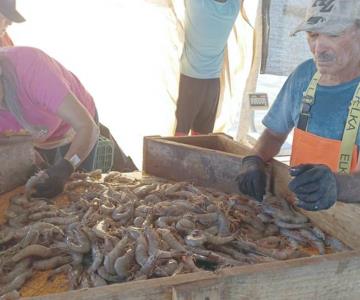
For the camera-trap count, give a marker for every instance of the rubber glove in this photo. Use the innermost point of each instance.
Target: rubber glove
(314, 185)
(54, 183)
(252, 177)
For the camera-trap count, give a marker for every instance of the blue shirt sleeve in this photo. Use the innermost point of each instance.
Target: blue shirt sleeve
(284, 113)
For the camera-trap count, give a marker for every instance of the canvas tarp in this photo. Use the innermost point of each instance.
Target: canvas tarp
(282, 53)
(237, 63)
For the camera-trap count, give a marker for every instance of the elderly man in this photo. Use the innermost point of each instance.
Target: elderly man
(8, 14)
(321, 100)
(207, 28)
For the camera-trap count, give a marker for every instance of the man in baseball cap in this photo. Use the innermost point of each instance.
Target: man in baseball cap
(320, 100)
(8, 10)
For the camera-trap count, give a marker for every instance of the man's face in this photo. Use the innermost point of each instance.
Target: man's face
(4, 23)
(335, 55)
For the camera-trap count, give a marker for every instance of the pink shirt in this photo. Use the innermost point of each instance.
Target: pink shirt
(42, 85)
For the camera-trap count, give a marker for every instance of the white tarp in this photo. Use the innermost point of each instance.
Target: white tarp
(282, 53)
(126, 52)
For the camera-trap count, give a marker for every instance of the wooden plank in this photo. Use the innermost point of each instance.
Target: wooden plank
(334, 276)
(17, 159)
(198, 292)
(201, 166)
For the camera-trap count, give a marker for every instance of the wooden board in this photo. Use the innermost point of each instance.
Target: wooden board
(335, 276)
(200, 160)
(17, 158)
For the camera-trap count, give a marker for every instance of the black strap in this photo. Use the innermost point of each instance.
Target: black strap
(304, 116)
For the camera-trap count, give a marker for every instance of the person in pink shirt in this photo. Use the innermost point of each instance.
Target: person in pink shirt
(42, 97)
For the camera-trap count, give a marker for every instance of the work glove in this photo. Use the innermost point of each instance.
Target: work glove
(54, 182)
(314, 185)
(252, 177)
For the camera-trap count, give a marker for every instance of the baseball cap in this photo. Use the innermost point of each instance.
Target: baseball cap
(329, 16)
(8, 9)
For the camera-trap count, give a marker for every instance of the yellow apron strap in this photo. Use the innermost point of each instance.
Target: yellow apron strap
(351, 127)
(309, 95)
(350, 134)
(307, 101)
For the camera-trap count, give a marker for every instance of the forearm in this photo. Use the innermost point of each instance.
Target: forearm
(86, 130)
(83, 142)
(269, 144)
(348, 187)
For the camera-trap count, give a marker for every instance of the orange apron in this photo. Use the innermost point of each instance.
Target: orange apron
(308, 148)
(339, 155)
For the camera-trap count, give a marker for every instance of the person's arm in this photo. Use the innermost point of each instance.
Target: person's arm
(348, 187)
(87, 132)
(269, 144)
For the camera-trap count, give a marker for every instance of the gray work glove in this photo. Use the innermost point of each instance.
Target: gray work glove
(57, 175)
(315, 186)
(252, 177)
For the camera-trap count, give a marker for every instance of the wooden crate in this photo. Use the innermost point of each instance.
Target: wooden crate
(214, 161)
(17, 160)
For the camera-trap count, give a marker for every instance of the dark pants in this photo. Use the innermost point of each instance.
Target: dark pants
(197, 104)
(51, 156)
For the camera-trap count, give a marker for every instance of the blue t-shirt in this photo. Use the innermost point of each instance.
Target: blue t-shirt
(328, 114)
(207, 27)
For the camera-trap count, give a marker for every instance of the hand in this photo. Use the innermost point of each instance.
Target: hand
(314, 185)
(54, 182)
(252, 177)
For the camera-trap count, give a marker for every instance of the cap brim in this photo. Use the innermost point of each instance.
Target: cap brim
(14, 16)
(299, 28)
(330, 28)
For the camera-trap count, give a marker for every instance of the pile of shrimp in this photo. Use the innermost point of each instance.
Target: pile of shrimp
(117, 229)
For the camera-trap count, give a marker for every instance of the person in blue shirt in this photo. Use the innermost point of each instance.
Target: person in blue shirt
(208, 24)
(321, 100)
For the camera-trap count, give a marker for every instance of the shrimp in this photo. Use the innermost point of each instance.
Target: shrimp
(114, 254)
(13, 295)
(285, 225)
(185, 225)
(51, 263)
(207, 219)
(123, 263)
(17, 283)
(19, 268)
(108, 277)
(83, 245)
(313, 240)
(96, 280)
(166, 221)
(34, 250)
(168, 269)
(141, 250)
(196, 238)
(97, 257)
(123, 214)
